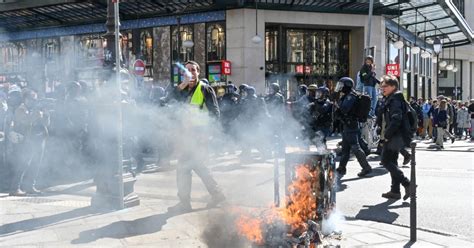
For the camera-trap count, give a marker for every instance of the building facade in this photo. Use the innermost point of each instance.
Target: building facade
(298, 45)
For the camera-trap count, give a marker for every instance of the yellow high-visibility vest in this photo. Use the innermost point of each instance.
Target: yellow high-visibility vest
(199, 118)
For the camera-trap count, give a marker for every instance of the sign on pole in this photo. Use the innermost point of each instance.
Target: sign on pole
(139, 67)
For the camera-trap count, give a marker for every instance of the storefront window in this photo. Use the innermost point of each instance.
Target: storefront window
(13, 57)
(215, 42)
(318, 52)
(91, 50)
(146, 48)
(181, 53)
(271, 45)
(126, 49)
(295, 44)
(393, 53)
(407, 57)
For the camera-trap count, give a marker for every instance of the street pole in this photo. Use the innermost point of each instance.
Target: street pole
(369, 27)
(413, 194)
(114, 189)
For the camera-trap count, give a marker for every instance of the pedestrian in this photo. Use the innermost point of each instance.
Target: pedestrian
(462, 120)
(395, 127)
(28, 131)
(441, 120)
(471, 112)
(434, 106)
(427, 125)
(369, 80)
(351, 129)
(201, 100)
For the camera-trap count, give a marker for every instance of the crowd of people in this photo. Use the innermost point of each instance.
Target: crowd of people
(37, 126)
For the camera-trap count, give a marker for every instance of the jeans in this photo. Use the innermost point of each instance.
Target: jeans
(370, 90)
(427, 127)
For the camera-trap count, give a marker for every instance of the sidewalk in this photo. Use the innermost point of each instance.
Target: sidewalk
(66, 220)
(63, 218)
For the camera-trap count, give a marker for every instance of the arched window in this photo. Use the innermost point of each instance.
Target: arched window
(146, 49)
(181, 52)
(215, 38)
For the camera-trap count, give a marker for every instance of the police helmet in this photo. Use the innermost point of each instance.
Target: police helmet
(302, 89)
(242, 87)
(312, 87)
(324, 89)
(275, 87)
(250, 90)
(346, 82)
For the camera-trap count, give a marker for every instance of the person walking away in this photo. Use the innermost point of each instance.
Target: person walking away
(434, 106)
(395, 126)
(367, 77)
(441, 120)
(471, 112)
(202, 110)
(463, 121)
(427, 127)
(351, 129)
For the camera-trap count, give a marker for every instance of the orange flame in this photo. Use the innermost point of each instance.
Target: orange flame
(300, 207)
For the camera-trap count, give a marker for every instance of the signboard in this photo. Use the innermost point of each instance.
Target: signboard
(139, 67)
(226, 67)
(299, 69)
(392, 70)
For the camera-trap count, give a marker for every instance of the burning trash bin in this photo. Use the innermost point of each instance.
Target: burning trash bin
(310, 197)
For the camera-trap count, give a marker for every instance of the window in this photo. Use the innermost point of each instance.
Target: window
(215, 42)
(407, 57)
(271, 45)
(295, 41)
(146, 48)
(13, 56)
(180, 52)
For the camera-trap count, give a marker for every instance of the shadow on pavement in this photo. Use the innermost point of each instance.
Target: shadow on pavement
(409, 244)
(380, 212)
(40, 222)
(231, 167)
(378, 171)
(124, 229)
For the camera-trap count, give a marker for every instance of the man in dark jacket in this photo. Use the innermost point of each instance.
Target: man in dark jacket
(192, 153)
(351, 129)
(395, 126)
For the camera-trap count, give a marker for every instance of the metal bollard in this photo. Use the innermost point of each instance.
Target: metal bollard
(276, 182)
(413, 194)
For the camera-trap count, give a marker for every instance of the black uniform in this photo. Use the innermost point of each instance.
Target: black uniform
(350, 135)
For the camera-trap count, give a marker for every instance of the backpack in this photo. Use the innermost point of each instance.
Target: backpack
(412, 117)
(361, 107)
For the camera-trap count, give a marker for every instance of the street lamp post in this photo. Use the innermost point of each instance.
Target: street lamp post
(437, 47)
(114, 189)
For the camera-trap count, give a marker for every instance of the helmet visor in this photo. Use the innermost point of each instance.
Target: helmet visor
(339, 86)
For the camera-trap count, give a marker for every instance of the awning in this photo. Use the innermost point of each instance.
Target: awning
(433, 18)
(441, 17)
(26, 15)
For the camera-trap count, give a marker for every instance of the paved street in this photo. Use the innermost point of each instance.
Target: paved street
(62, 217)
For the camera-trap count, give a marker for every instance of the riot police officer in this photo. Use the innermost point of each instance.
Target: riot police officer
(350, 134)
(322, 113)
(276, 107)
